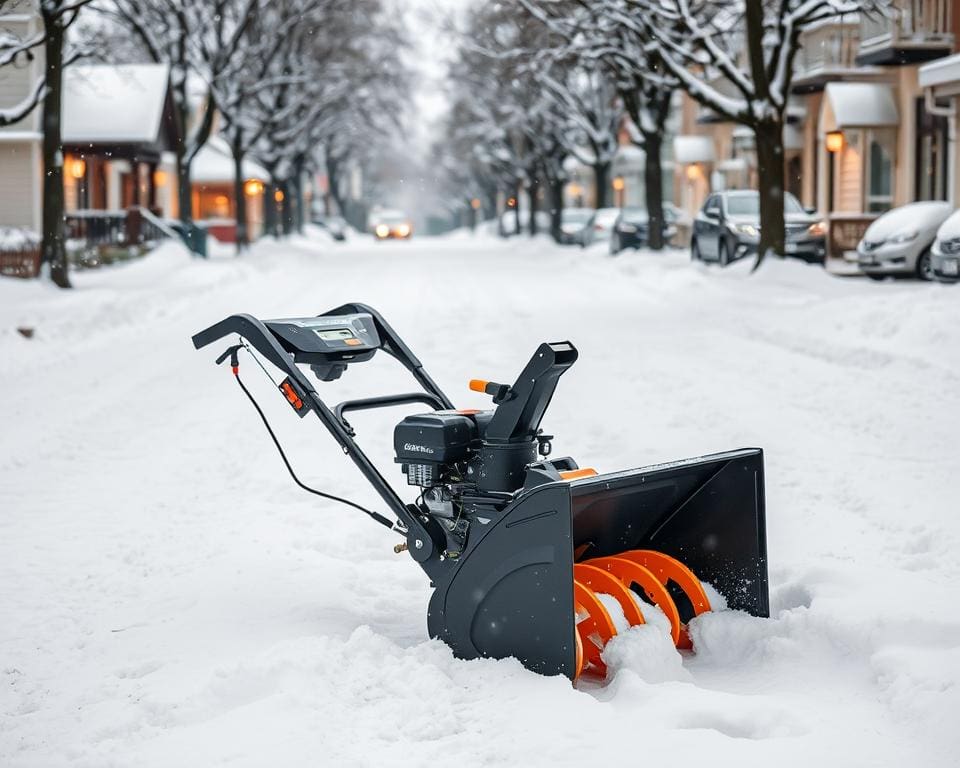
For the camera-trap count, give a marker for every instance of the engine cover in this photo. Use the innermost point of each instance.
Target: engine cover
(441, 437)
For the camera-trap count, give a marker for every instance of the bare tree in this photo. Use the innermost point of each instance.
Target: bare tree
(57, 16)
(750, 46)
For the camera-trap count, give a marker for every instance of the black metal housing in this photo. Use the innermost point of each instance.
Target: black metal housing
(502, 571)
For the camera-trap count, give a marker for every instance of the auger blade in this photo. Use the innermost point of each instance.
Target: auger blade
(595, 628)
(600, 581)
(629, 573)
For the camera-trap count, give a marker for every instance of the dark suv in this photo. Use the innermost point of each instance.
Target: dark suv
(727, 228)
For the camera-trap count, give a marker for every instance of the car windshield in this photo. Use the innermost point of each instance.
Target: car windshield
(393, 220)
(606, 216)
(748, 204)
(576, 215)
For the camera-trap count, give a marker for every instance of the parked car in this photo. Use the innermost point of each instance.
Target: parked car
(727, 228)
(899, 242)
(600, 226)
(573, 225)
(945, 253)
(387, 224)
(335, 225)
(631, 228)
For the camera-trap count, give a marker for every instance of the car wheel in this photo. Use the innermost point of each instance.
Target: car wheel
(925, 266)
(875, 276)
(695, 251)
(723, 253)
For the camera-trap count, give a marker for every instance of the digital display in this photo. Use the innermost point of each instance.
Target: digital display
(335, 334)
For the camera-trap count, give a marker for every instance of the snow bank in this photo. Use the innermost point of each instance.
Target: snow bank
(167, 597)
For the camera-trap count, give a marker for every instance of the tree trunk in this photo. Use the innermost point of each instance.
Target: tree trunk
(517, 194)
(236, 147)
(298, 195)
(532, 197)
(556, 207)
(770, 173)
(53, 250)
(601, 175)
(269, 209)
(653, 181)
(286, 207)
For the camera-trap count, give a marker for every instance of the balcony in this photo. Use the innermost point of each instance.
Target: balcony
(916, 30)
(829, 52)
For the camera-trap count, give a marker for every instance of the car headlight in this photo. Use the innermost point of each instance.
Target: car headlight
(403, 230)
(817, 229)
(625, 227)
(904, 237)
(749, 230)
(382, 230)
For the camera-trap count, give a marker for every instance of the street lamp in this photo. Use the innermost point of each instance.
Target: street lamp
(619, 185)
(78, 168)
(252, 187)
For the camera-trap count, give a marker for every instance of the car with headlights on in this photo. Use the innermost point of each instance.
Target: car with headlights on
(573, 225)
(945, 252)
(727, 228)
(631, 228)
(900, 241)
(392, 225)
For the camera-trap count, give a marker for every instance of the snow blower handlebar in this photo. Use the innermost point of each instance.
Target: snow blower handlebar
(324, 343)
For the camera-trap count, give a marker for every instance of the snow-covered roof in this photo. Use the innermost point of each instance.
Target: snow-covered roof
(114, 104)
(693, 149)
(214, 164)
(861, 105)
(940, 72)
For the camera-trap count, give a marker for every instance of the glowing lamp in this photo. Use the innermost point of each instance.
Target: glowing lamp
(511, 202)
(278, 195)
(475, 203)
(77, 167)
(693, 172)
(834, 141)
(619, 183)
(252, 187)
(159, 178)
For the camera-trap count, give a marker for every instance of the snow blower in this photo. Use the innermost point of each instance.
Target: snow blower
(529, 556)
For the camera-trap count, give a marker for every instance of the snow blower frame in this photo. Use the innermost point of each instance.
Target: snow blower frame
(518, 545)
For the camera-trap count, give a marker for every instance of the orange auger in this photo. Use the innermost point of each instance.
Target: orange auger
(645, 570)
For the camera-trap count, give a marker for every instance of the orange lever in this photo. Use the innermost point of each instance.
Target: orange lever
(478, 385)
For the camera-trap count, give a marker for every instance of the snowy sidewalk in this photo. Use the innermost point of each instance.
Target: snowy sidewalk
(168, 597)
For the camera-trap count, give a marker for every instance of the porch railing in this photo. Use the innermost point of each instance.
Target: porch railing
(910, 22)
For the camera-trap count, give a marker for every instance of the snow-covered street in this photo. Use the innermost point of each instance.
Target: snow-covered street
(168, 597)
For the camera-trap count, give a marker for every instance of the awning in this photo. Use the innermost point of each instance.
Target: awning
(942, 75)
(693, 149)
(859, 105)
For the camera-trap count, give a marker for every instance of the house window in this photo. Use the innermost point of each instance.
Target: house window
(879, 181)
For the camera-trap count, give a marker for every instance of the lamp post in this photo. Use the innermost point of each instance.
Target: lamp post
(619, 186)
(78, 171)
(834, 143)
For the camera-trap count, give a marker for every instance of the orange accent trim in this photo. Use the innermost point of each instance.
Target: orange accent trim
(599, 580)
(666, 569)
(292, 397)
(353, 342)
(478, 385)
(468, 411)
(594, 626)
(576, 474)
(630, 573)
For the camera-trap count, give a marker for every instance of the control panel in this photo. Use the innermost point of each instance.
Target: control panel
(328, 338)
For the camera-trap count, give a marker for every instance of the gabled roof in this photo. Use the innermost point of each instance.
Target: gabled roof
(213, 164)
(859, 105)
(114, 104)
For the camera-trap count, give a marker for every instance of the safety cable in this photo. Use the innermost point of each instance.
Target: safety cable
(375, 515)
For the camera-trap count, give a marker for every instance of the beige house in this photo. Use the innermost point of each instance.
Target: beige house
(869, 123)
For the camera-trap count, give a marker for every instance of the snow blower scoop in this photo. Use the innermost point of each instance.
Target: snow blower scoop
(528, 555)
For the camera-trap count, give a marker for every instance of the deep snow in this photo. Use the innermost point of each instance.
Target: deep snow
(168, 597)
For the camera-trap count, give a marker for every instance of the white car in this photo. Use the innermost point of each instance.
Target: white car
(899, 242)
(945, 252)
(600, 226)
